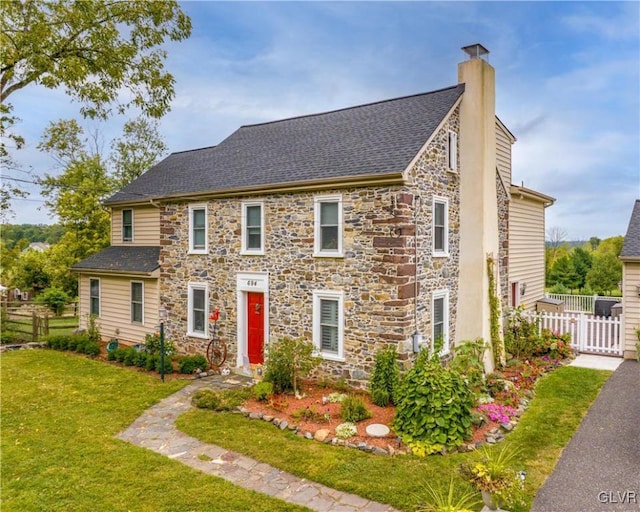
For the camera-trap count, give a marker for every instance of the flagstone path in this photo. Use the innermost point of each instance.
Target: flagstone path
(156, 430)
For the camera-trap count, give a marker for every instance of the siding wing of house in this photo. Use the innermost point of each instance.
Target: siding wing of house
(121, 259)
(631, 246)
(376, 139)
(630, 256)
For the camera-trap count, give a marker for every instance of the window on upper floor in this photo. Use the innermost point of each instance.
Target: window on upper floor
(197, 301)
(440, 216)
(328, 324)
(328, 226)
(94, 296)
(452, 151)
(440, 319)
(252, 228)
(127, 225)
(137, 302)
(198, 228)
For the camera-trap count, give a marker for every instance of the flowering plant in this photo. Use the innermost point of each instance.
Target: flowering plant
(497, 412)
(346, 430)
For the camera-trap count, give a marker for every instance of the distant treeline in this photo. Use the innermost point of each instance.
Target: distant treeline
(11, 234)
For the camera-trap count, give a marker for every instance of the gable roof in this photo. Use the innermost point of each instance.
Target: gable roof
(122, 259)
(631, 245)
(373, 139)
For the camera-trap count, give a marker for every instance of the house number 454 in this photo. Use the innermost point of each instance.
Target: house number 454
(252, 282)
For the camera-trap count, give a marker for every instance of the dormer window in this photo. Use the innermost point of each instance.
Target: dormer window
(127, 225)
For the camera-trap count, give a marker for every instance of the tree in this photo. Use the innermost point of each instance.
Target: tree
(563, 273)
(594, 242)
(30, 271)
(106, 55)
(605, 273)
(582, 261)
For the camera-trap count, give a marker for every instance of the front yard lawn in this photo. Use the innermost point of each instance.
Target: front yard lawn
(60, 413)
(562, 399)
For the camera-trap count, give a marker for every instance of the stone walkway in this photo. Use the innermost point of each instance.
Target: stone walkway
(156, 430)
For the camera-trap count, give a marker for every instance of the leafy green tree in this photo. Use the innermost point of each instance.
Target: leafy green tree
(94, 50)
(55, 299)
(594, 242)
(582, 261)
(563, 273)
(30, 271)
(605, 273)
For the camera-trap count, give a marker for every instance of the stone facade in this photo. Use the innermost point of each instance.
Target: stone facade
(387, 238)
(503, 256)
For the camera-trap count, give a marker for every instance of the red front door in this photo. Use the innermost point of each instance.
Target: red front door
(255, 327)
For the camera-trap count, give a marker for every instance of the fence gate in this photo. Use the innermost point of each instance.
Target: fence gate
(589, 333)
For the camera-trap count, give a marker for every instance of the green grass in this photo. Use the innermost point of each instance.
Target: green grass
(60, 413)
(562, 399)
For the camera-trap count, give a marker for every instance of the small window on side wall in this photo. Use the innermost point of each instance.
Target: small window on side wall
(94, 297)
(198, 229)
(452, 151)
(440, 224)
(198, 298)
(440, 319)
(137, 302)
(328, 324)
(328, 226)
(127, 225)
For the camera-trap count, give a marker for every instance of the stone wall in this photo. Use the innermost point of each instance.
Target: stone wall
(503, 257)
(376, 274)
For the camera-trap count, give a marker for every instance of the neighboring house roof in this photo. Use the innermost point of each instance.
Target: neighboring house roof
(122, 259)
(368, 140)
(37, 246)
(631, 245)
(523, 192)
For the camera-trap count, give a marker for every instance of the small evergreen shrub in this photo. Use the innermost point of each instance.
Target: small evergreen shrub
(168, 365)
(353, 409)
(434, 406)
(188, 364)
(384, 377)
(288, 360)
(150, 363)
(54, 341)
(120, 354)
(130, 356)
(262, 390)
(91, 349)
(111, 356)
(141, 359)
(72, 342)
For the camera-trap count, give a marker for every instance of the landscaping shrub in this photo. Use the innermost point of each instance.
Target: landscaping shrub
(54, 341)
(168, 365)
(521, 337)
(150, 363)
(141, 359)
(111, 356)
(93, 329)
(468, 362)
(92, 349)
(152, 345)
(226, 400)
(353, 409)
(288, 360)
(120, 354)
(130, 356)
(346, 430)
(434, 407)
(384, 377)
(262, 390)
(55, 299)
(7, 338)
(206, 399)
(189, 363)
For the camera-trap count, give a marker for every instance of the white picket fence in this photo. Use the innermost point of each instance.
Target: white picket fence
(589, 333)
(581, 303)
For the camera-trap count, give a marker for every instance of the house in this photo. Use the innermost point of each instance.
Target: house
(630, 256)
(357, 229)
(37, 246)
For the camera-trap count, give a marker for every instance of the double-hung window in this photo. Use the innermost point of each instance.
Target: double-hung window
(198, 228)
(137, 302)
(452, 151)
(252, 228)
(440, 216)
(328, 226)
(440, 319)
(127, 225)
(197, 310)
(94, 297)
(328, 324)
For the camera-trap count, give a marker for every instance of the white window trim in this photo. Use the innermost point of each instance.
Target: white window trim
(190, 331)
(318, 295)
(192, 207)
(99, 296)
(441, 294)
(452, 151)
(317, 251)
(244, 250)
(131, 283)
(132, 225)
(436, 252)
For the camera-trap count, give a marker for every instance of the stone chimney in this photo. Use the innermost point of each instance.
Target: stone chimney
(478, 195)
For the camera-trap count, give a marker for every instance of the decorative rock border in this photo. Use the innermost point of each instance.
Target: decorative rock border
(22, 346)
(321, 435)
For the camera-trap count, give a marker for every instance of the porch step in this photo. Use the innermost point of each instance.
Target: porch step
(595, 362)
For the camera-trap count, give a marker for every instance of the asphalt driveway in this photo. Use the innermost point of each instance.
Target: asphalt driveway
(599, 470)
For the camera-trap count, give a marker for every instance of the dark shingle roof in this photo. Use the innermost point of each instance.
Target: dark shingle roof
(631, 246)
(376, 138)
(117, 258)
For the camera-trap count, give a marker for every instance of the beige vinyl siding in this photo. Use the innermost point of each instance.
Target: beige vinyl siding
(526, 248)
(146, 226)
(503, 154)
(630, 306)
(115, 307)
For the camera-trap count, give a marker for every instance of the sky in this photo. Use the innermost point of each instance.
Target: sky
(567, 86)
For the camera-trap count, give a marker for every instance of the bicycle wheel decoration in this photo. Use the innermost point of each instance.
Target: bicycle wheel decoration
(217, 349)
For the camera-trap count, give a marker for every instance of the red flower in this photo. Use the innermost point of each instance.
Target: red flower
(215, 315)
